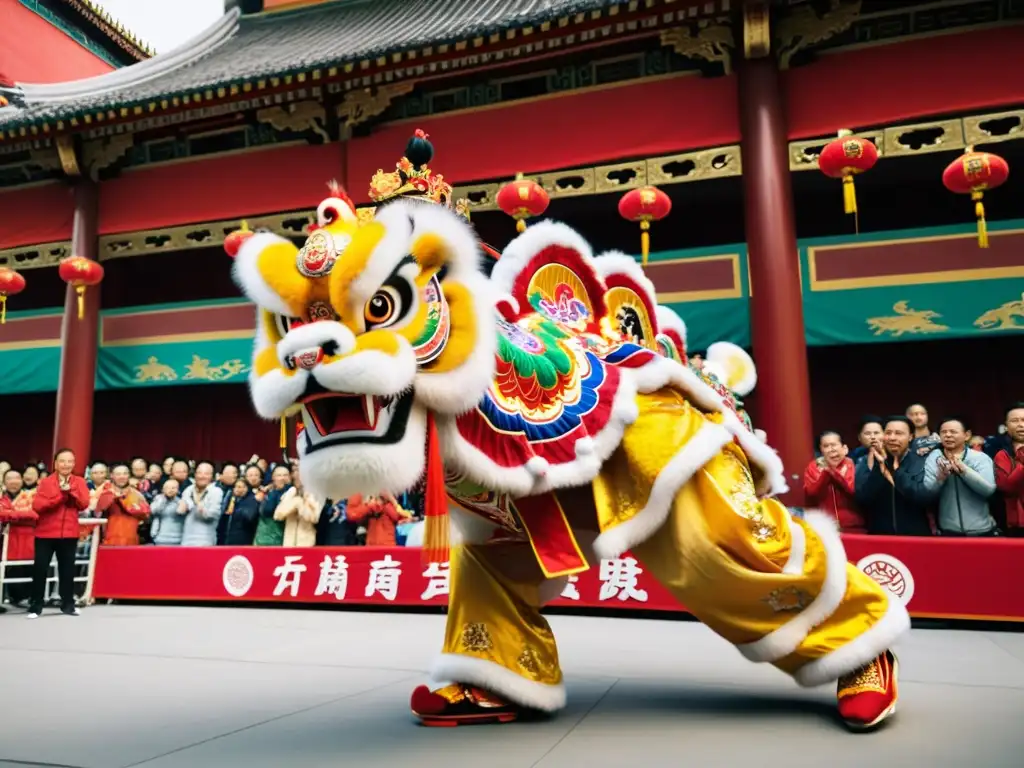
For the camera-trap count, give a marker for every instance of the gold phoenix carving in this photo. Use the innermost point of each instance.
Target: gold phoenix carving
(709, 40)
(359, 105)
(803, 27)
(297, 117)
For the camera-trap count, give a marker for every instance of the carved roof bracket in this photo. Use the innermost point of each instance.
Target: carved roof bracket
(802, 27)
(360, 104)
(709, 39)
(99, 154)
(68, 155)
(297, 117)
(757, 36)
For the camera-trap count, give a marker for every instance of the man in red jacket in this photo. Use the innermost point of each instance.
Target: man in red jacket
(59, 500)
(1009, 467)
(828, 483)
(16, 512)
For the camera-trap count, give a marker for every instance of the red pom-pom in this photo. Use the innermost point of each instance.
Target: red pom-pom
(419, 133)
(234, 241)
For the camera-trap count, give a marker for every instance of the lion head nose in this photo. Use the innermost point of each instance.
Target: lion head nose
(307, 359)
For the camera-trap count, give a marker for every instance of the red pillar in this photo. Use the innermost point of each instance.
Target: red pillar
(776, 306)
(79, 339)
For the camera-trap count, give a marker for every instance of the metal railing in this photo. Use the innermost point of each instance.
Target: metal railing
(85, 565)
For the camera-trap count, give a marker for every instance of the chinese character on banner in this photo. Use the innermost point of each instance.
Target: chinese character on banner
(333, 577)
(384, 578)
(288, 575)
(571, 592)
(619, 579)
(439, 581)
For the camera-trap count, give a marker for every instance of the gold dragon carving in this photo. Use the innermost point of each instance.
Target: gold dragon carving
(359, 105)
(199, 369)
(154, 370)
(1007, 317)
(302, 116)
(803, 27)
(709, 40)
(906, 320)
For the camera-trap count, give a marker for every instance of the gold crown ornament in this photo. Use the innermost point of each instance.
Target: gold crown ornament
(413, 179)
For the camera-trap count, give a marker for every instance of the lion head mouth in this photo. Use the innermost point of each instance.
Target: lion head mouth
(335, 418)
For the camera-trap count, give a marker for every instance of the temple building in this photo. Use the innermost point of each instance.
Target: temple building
(724, 105)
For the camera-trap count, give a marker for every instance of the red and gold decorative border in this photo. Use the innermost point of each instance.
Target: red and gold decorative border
(915, 261)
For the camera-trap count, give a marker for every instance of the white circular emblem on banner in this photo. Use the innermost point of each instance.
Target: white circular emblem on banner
(891, 573)
(238, 576)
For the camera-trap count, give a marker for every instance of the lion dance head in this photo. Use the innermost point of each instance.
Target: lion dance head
(370, 329)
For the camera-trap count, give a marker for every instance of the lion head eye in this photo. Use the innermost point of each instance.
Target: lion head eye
(383, 309)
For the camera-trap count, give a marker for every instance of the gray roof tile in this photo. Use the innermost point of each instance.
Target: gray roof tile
(321, 36)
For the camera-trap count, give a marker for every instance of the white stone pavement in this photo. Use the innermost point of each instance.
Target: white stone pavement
(167, 687)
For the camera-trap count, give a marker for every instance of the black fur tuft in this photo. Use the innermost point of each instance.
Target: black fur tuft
(419, 151)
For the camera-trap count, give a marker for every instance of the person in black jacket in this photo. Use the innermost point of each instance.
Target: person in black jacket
(237, 525)
(889, 484)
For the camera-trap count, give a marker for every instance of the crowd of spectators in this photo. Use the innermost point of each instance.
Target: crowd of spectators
(902, 478)
(906, 479)
(191, 503)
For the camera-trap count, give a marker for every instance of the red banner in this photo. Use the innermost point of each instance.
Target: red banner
(936, 578)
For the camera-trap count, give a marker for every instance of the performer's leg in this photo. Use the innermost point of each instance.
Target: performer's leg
(498, 649)
(779, 588)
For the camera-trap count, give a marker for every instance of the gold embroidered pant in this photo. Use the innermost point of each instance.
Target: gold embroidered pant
(680, 496)
(495, 636)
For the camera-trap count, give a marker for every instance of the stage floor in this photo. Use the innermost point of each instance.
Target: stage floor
(173, 687)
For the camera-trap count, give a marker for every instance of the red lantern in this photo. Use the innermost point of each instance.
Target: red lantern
(11, 284)
(81, 273)
(843, 159)
(645, 205)
(972, 173)
(522, 199)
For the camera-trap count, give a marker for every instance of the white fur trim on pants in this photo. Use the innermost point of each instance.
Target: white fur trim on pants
(783, 641)
(859, 651)
(499, 680)
(698, 451)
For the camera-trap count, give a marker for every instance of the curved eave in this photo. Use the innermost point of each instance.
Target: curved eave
(108, 27)
(622, 19)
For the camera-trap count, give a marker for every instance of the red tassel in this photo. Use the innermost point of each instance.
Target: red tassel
(435, 496)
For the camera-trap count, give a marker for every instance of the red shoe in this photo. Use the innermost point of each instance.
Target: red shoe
(867, 696)
(460, 704)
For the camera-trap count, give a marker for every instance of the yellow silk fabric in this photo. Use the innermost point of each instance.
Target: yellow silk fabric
(721, 552)
(494, 611)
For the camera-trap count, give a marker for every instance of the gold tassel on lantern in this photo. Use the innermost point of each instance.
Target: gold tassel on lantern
(520, 226)
(283, 440)
(645, 241)
(3, 309)
(979, 213)
(849, 194)
(80, 290)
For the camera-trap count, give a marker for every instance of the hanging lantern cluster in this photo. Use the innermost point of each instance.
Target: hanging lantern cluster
(645, 205)
(844, 158)
(522, 199)
(11, 284)
(81, 273)
(973, 173)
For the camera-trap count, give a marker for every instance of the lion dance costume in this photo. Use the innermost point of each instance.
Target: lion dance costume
(551, 402)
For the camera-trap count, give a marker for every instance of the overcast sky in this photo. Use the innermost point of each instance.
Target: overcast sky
(165, 24)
